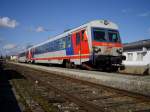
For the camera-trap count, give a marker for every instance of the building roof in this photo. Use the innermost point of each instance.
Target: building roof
(138, 45)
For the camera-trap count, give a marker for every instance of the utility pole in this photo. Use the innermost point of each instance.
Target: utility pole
(1, 56)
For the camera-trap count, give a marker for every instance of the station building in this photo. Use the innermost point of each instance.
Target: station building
(13, 58)
(137, 57)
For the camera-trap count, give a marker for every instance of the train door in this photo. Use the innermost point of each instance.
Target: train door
(81, 47)
(78, 45)
(28, 55)
(84, 44)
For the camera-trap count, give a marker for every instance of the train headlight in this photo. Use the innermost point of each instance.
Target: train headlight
(106, 22)
(96, 49)
(123, 57)
(120, 51)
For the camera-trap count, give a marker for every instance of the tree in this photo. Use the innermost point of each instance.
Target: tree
(1, 57)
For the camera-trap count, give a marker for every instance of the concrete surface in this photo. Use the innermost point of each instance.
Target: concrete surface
(134, 83)
(140, 70)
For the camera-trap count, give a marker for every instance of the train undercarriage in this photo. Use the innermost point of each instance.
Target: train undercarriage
(101, 62)
(109, 63)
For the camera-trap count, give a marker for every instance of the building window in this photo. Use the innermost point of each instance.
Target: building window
(130, 57)
(140, 56)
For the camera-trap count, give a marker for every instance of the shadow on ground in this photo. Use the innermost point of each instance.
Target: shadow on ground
(8, 102)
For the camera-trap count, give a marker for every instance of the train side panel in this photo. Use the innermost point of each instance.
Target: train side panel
(75, 49)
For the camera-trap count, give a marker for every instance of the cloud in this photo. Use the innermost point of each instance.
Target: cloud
(7, 22)
(11, 49)
(37, 29)
(40, 29)
(125, 10)
(145, 14)
(9, 46)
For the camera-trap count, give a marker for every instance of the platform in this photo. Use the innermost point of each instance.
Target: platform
(133, 83)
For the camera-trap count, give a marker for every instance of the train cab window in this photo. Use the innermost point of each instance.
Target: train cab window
(113, 36)
(99, 35)
(77, 38)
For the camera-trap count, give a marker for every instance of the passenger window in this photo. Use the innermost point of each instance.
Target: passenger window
(68, 41)
(77, 38)
(61, 43)
(64, 42)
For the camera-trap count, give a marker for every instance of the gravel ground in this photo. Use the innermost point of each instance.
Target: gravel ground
(134, 83)
(68, 94)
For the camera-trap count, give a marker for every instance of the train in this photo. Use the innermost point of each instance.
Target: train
(96, 44)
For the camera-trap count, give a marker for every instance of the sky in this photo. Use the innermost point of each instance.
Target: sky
(28, 22)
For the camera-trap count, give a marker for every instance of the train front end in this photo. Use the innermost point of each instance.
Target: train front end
(107, 48)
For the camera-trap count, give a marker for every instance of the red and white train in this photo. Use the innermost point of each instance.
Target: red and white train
(96, 44)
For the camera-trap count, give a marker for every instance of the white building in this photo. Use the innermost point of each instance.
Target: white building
(13, 58)
(137, 56)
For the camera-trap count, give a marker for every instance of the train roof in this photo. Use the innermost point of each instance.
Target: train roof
(94, 23)
(138, 45)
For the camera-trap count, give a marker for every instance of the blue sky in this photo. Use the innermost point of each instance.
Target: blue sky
(24, 22)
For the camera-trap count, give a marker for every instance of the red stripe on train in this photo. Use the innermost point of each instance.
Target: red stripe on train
(94, 43)
(61, 58)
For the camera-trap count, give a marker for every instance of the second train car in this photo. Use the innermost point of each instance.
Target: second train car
(96, 44)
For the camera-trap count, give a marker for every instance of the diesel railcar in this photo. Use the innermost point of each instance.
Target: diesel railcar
(96, 44)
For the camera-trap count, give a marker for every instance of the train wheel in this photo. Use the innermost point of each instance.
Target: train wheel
(68, 64)
(106, 69)
(114, 68)
(74, 65)
(32, 61)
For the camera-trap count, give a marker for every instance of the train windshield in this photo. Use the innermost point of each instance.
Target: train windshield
(113, 36)
(101, 35)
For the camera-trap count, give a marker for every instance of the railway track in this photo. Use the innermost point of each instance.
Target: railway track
(73, 95)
